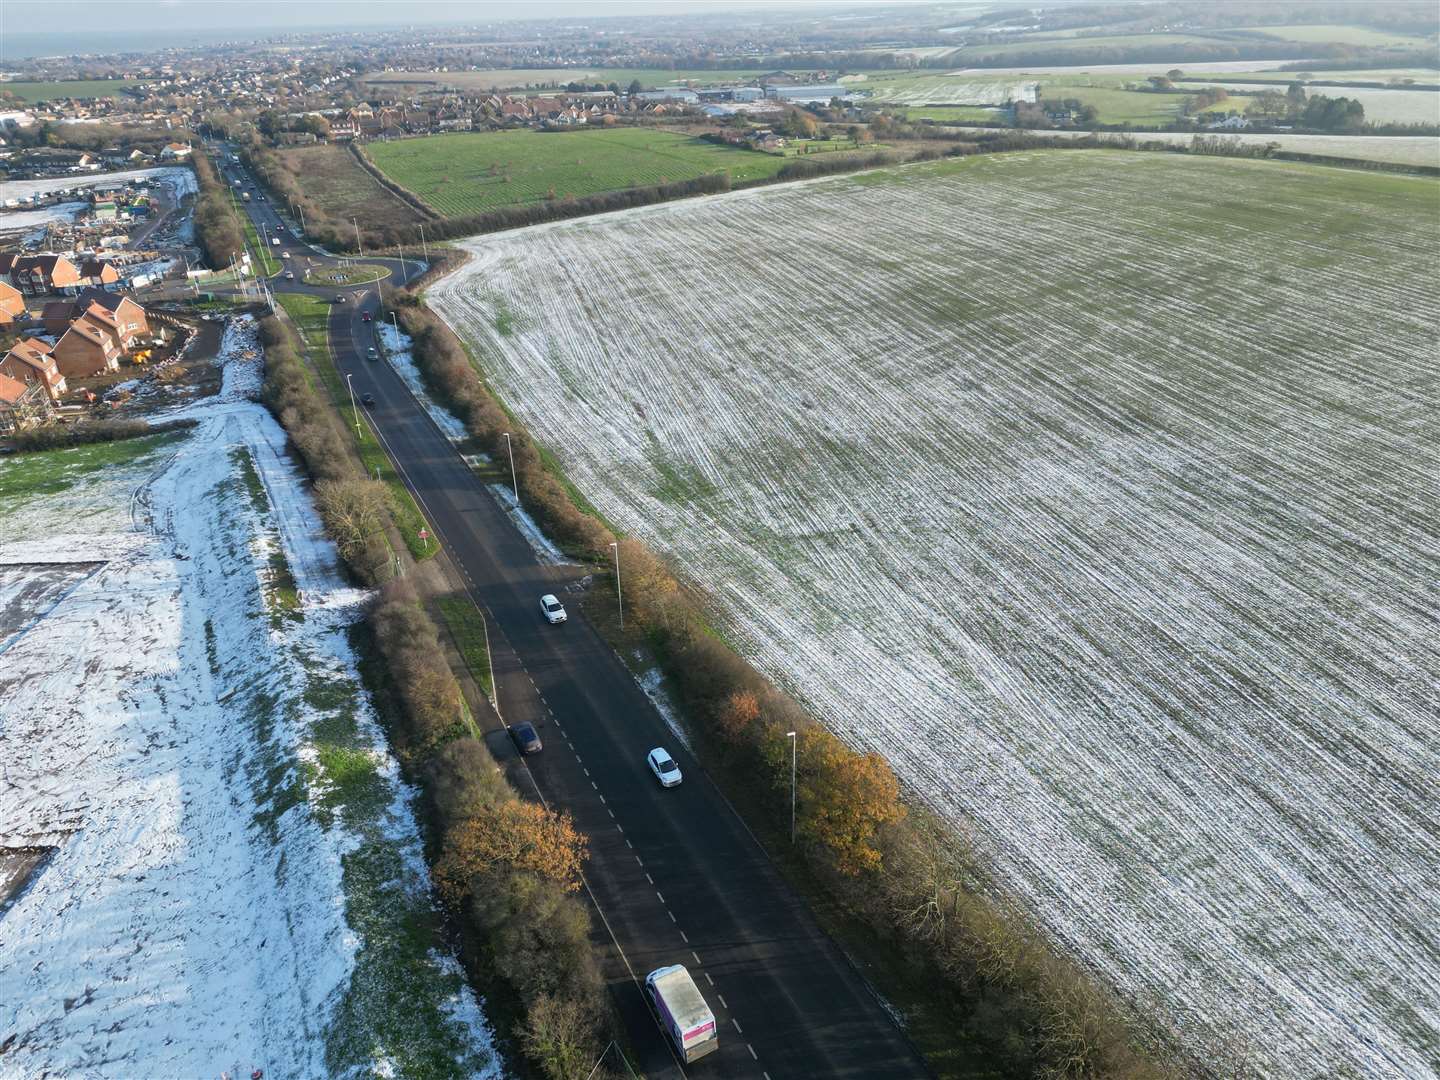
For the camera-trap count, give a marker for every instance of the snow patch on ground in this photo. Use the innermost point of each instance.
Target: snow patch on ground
(397, 352)
(177, 180)
(653, 683)
(197, 915)
(544, 548)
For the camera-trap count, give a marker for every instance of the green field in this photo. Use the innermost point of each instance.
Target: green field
(32, 92)
(1344, 35)
(958, 114)
(473, 173)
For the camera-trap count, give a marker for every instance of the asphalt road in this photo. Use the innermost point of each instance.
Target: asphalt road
(674, 874)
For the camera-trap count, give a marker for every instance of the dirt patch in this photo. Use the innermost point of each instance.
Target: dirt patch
(29, 590)
(335, 180)
(18, 866)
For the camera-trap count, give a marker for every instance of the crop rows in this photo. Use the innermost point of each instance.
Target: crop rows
(950, 90)
(468, 174)
(1095, 490)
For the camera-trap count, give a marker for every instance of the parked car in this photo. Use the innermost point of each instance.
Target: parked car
(553, 610)
(368, 400)
(526, 740)
(664, 767)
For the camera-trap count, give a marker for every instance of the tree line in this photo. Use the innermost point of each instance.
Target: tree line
(507, 869)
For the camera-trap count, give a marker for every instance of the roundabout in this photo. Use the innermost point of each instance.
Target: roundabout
(362, 274)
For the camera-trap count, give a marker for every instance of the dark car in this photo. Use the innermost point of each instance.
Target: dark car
(365, 317)
(525, 738)
(368, 400)
(339, 298)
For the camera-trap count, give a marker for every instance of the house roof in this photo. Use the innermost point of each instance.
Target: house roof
(32, 351)
(90, 332)
(102, 315)
(11, 390)
(9, 295)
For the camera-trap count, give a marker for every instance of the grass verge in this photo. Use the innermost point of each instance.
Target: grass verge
(312, 315)
(467, 626)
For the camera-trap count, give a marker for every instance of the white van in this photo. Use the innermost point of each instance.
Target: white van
(682, 1011)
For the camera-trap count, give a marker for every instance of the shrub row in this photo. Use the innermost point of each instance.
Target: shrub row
(218, 232)
(909, 877)
(507, 869)
(57, 436)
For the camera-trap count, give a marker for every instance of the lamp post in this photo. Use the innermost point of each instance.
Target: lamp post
(423, 246)
(353, 410)
(395, 323)
(514, 484)
(791, 736)
(358, 249)
(619, 599)
(303, 229)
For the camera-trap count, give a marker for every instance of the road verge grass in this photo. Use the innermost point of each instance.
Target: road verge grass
(312, 316)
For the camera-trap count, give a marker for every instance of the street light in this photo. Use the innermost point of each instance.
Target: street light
(351, 387)
(791, 736)
(619, 600)
(358, 249)
(423, 246)
(514, 485)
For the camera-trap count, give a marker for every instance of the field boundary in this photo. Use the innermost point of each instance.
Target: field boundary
(409, 198)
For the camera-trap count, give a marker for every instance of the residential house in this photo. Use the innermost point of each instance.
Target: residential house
(30, 361)
(23, 405)
(37, 274)
(98, 273)
(175, 152)
(12, 304)
(85, 349)
(124, 319)
(1234, 121)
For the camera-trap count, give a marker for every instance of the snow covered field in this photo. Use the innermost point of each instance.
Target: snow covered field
(948, 90)
(1399, 149)
(237, 879)
(1097, 491)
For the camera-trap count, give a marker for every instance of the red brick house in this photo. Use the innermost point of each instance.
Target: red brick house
(23, 405)
(98, 272)
(12, 304)
(37, 274)
(86, 350)
(30, 361)
(128, 323)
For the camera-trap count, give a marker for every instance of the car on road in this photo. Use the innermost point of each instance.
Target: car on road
(368, 400)
(553, 610)
(289, 275)
(339, 298)
(526, 740)
(365, 316)
(370, 352)
(284, 254)
(664, 767)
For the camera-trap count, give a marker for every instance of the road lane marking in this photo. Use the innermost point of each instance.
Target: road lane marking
(629, 845)
(709, 979)
(684, 937)
(637, 857)
(620, 827)
(696, 955)
(662, 899)
(672, 916)
(610, 812)
(650, 879)
(753, 1055)
(594, 785)
(737, 1026)
(577, 758)
(602, 799)
(722, 1002)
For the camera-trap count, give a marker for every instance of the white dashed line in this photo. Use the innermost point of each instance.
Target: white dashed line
(629, 845)
(753, 1055)
(610, 812)
(620, 827)
(583, 769)
(637, 857)
(684, 937)
(650, 879)
(737, 1026)
(722, 1002)
(658, 896)
(709, 979)
(696, 955)
(602, 799)
(594, 785)
(672, 916)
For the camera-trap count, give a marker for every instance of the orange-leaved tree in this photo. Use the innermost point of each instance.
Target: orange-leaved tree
(845, 798)
(517, 835)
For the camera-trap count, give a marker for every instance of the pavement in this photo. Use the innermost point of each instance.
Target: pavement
(674, 875)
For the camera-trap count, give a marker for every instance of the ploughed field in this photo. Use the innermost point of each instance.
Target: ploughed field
(1097, 490)
(466, 173)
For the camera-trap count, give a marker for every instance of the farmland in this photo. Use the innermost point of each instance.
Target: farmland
(469, 174)
(34, 92)
(521, 78)
(335, 180)
(1093, 489)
